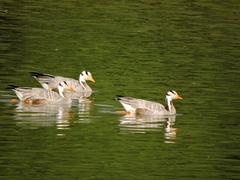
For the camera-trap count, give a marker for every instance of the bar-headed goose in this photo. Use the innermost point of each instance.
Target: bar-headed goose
(140, 106)
(49, 81)
(37, 96)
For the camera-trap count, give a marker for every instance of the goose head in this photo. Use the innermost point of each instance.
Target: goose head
(63, 86)
(172, 95)
(86, 76)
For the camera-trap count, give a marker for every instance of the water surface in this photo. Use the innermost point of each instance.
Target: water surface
(140, 49)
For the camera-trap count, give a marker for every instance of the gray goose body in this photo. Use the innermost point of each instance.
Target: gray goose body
(49, 81)
(144, 107)
(30, 95)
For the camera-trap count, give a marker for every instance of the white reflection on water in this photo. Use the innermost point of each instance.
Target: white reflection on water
(142, 124)
(44, 115)
(84, 106)
(61, 115)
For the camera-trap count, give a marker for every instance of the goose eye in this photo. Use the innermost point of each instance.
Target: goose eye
(65, 82)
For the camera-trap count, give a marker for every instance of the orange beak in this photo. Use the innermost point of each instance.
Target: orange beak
(91, 79)
(179, 97)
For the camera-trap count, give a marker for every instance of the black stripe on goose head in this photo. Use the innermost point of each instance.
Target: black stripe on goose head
(65, 82)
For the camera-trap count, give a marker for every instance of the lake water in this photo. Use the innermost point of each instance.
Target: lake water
(140, 49)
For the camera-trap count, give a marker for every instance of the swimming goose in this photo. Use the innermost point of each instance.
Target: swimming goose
(49, 81)
(36, 96)
(140, 106)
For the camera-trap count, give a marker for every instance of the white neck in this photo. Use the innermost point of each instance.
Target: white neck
(82, 81)
(169, 103)
(60, 90)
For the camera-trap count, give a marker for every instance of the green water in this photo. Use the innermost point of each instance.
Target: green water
(133, 48)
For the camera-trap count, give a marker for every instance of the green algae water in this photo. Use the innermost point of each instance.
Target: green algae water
(132, 48)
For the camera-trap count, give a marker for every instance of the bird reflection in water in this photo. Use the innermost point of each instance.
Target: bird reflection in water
(81, 101)
(61, 115)
(142, 124)
(44, 115)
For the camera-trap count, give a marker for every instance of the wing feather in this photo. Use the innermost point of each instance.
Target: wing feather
(140, 105)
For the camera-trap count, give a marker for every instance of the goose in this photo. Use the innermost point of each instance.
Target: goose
(51, 82)
(144, 107)
(37, 96)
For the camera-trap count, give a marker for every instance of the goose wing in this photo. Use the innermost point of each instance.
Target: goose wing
(140, 106)
(24, 93)
(49, 81)
(39, 93)
(44, 79)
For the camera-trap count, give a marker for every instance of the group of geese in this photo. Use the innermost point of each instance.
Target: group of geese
(56, 89)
